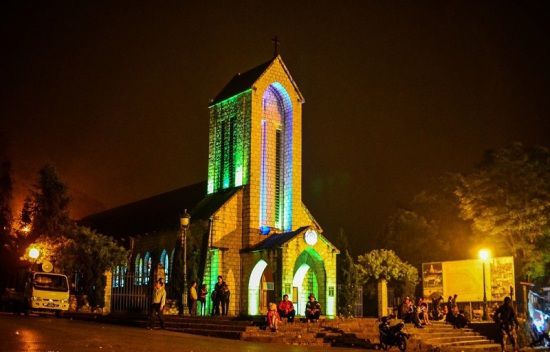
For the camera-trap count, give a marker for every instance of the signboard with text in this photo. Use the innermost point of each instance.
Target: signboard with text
(465, 278)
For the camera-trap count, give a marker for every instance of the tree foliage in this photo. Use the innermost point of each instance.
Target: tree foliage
(50, 205)
(7, 254)
(385, 264)
(86, 252)
(6, 197)
(430, 228)
(348, 280)
(507, 198)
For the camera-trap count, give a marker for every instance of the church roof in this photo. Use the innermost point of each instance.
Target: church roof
(241, 82)
(158, 213)
(244, 81)
(276, 240)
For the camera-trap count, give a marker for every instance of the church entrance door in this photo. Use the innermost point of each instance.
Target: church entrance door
(309, 278)
(261, 289)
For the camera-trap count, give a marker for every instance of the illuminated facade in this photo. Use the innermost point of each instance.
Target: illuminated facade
(264, 241)
(251, 227)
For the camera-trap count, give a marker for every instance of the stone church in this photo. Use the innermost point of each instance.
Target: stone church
(248, 221)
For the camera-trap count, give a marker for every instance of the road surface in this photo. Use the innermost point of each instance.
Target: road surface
(61, 335)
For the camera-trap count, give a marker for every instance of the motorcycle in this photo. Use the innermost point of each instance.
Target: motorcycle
(392, 335)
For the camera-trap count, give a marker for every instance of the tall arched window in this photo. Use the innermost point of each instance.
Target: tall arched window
(276, 159)
(165, 261)
(147, 268)
(138, 270)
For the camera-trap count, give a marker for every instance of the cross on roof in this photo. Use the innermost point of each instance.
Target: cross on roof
(276, 44)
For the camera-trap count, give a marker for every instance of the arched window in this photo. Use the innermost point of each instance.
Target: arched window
(147, 268)
(138, 270)
(116, 277)
(276, 159)
(119, 276)
(165, 261)
(172, 260)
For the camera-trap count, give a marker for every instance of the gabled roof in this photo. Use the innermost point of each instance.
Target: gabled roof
(244, 81)
(276, 240)
(241, 82)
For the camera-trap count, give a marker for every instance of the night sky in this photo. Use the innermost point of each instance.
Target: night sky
(116, 95)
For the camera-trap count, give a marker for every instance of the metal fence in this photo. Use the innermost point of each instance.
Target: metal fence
(358, 303)
(130, 294)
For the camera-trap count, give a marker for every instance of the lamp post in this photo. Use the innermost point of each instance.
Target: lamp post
(484, 255)
(185, 220)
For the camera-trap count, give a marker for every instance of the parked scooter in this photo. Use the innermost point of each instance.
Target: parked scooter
(392, 335)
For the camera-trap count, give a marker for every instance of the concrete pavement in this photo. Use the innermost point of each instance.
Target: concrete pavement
(50, 334)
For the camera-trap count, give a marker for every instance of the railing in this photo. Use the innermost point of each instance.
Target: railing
(129, 296)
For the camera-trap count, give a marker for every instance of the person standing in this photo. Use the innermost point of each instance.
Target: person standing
(203, 292)
(505, 317)
(193, 296)
(157, 305)
(217, 295)
(225, 298)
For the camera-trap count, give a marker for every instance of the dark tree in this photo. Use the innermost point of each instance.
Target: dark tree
(6, 194)
(50, 208)
(6, 197)
(25, 219)
(430, 228)
(507, 198)
(347, 276)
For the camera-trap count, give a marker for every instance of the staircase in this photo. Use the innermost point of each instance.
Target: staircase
(444, 338)
(297, 333)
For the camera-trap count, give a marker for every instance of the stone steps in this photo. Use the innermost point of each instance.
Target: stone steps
(445, 338)
(494, 347)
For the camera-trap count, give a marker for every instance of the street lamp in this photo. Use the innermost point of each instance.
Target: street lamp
(33, 253)
(484, 255)
(185, 220)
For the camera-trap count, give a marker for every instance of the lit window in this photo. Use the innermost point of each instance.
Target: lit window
(146, 269)
(165, 261)
(138, 270)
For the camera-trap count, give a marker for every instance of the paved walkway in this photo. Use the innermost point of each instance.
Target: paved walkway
(50, 334)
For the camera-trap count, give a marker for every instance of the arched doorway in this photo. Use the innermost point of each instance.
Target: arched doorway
(309, 278)
(260, 288)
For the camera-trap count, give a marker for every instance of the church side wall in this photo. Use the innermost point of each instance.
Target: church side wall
(227, 235)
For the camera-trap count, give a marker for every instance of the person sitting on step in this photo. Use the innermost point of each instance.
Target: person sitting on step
(286, 309)
(313, 309)
(408, 312)
(273, 317)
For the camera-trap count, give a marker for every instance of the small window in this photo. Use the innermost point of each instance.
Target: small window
(331, 291)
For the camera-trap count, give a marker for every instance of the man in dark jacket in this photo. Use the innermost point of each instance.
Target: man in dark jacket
(313, 309)
(505, 317)
(217, 295)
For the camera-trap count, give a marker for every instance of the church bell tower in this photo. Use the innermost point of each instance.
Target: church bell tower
(255, 142)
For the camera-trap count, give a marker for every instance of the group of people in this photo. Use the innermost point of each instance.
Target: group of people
(220, 298)
(411, 313)
(285, 309)
(419, 314)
